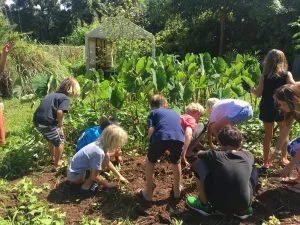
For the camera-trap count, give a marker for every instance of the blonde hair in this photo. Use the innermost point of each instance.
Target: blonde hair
(194, 107)
(112, 137)
(210, 103)
(275, 64)
(158, 101)
(290, 94)
(69, 86)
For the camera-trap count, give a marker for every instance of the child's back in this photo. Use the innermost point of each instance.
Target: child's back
(166, 124)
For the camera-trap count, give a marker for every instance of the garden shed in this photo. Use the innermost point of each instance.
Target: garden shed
(99, 51)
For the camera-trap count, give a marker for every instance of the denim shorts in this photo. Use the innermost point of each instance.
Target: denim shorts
(245, 114)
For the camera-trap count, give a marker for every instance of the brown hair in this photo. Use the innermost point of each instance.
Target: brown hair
(69, 86)
(290, 94)
(230, 136)
(275, 64)
(158, 101)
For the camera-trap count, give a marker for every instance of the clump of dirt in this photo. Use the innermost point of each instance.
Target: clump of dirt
(115, 205)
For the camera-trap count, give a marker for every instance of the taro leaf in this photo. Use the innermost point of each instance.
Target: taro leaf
(237, 90)
(180, 76)
(192, 68)
(189, 90)
(40, 85)
(161, 79)
(154, 80)
(104, 89)
(220, 65)
(139, 67)
(117, 97)
(177, 92)
(86, 89)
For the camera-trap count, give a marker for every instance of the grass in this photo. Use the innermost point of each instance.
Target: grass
(18, 116)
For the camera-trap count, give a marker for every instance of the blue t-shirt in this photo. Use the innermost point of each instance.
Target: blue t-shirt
(88, 136)
(89, 157)
(294, 146)
(166, 124)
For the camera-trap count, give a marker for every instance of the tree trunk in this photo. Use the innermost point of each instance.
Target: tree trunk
(222, 33)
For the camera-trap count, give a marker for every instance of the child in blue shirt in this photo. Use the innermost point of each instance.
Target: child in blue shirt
(165, 133)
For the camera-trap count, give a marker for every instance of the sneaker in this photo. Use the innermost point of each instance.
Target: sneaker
(245, 214)
(195, 204)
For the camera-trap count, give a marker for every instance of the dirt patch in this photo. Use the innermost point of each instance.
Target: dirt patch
(114, 206)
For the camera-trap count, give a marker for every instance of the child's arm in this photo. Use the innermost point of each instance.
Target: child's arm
(112, 168)
(210, 136)
(150, 131)
(6, 48)
(60, 118)
(258, 91)
(187, 140)
(288, 168)
(95, 176)
(290, 79)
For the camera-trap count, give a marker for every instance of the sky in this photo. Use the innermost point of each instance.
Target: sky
(8, 2)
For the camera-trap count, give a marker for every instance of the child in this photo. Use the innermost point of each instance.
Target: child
(92, 134)
(223, 112)
(275, 74)
(48, 118)
(226, 179)
(189, 124)
(6, 49)
(94, 157)
(165, 132)
(287, 98)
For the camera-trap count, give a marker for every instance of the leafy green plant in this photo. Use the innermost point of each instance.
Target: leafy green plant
(272, 220)
(29, 210)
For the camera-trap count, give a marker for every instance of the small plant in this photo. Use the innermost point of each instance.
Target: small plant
(272, 220)
(88, 221)
(176, 221)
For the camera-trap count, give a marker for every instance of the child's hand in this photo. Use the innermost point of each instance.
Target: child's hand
(185, 162)
(7, 47)
(120, 159)
(123, 179)
(246, 86)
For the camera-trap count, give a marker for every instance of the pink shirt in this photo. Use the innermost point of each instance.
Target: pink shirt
(187, 120)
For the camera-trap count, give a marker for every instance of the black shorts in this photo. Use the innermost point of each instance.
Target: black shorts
(157, 149)
(270, 114)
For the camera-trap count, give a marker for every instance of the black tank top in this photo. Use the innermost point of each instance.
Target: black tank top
(270, 86)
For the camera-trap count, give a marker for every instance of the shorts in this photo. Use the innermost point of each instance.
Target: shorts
(157, 149)
(293, 147)
(74, 177)
(270, 114)
(51, 133)
(245, 114)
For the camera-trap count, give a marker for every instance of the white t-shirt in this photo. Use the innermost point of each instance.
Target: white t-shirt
(226, 108)
(89, 157)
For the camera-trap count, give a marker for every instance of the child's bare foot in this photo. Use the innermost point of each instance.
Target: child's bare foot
(59, 163)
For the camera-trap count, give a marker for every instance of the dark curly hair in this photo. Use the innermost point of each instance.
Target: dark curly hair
(230, 136)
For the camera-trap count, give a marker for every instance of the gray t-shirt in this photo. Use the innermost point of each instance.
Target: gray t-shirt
(89, 157)
(46, 113)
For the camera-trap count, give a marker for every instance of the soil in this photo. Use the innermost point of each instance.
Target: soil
(116, 206)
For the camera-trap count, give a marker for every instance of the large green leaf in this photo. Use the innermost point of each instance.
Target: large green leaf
(40, 85)
(139, 67)
(189, 90)
(161, 79)
(104, 89)
(117, 96)
(220, 65)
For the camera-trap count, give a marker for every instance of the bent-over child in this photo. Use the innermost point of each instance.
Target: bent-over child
(287, 98)
(190, 126)
(94, 157)
(91, 134)
(48, 117)
(165, 133)
(224, 112)
(226, 179)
